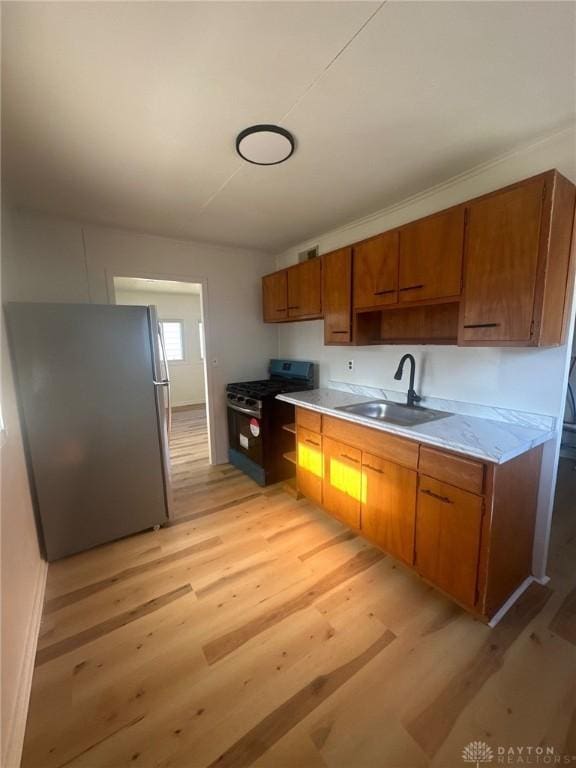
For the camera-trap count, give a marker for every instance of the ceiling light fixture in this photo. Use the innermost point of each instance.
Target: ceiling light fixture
(265, 144)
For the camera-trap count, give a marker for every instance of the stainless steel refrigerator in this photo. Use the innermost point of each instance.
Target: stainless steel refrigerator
(93, 391)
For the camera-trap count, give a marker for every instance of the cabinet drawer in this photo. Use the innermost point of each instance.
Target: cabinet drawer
(309, 419)
(309, 464)
(456, 470)
(374, 441)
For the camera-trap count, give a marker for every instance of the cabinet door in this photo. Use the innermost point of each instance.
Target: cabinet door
(305, 289)
(389, 506)
(431, 257)
(337, 296)
(448, 524)
(275, 297)
(342, 489)
(500, 265)
(309, 464)
(376, 271)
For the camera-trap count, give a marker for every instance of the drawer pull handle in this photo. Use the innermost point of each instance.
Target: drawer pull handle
(340, 331)
(349, 458)
(312, 442)
(381, 293)
(411, 287)
(483, 325)
(374, 469)
(294, 306)
(282, 310)
(443, 499)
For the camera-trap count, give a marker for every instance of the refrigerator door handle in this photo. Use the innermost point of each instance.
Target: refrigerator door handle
(166, 380)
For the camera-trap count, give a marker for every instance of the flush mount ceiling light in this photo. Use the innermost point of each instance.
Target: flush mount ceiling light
(265, 144)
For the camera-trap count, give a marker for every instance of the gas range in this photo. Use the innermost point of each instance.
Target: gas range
(250, 396)
(257, 441)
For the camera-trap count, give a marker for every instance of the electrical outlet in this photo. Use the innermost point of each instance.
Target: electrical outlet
(350, 365)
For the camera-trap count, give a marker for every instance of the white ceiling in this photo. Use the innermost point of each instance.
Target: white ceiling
(126, 113)
(145, 285)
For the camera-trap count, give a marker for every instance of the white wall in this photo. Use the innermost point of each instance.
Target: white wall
(62, 260)
(23, 571)
(187, 376)
(527, 380)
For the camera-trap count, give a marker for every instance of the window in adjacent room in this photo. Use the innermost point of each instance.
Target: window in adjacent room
(173, 331)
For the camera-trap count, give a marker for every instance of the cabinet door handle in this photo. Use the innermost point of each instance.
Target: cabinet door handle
(411, 287)
(349, 458)
(312, 442)
(282, 310)
(443, 499)
(340, 331)
(293, 307)
(381, 293)
(482, 325)
(374, 469)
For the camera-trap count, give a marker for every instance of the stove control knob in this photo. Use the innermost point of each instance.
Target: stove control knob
(250, 401)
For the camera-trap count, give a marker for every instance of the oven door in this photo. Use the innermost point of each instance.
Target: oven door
(245, 436)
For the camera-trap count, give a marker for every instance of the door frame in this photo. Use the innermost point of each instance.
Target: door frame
(204, 309)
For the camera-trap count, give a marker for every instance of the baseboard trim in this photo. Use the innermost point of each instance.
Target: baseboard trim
(542, 580)
(511, 600)
(17, 726)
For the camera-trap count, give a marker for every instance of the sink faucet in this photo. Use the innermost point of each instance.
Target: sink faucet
(412, 397)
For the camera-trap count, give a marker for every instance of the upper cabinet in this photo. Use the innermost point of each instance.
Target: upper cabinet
(517, 254)
(275, 297)
(376, 271)
(494, 271)
(305, 290)
(431, 257)
(337, 296)
(294, 293)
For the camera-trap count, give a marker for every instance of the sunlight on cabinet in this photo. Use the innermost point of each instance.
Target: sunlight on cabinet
(310, 459)
(347, 479)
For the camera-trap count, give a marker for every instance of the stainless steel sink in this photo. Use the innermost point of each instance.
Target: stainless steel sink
(394, 413)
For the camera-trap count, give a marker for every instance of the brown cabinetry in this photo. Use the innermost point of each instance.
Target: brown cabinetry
(376, 271)
(431, 257)
(448, 526)
(305, 290)
(464, 525)
(337, 296)
(517, 252)
(493, 271)
(342, 490)
(309, 463)
(275, 297)
(388, 506)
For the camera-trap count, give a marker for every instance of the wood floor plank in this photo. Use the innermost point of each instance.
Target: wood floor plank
(222, 646)
(431, 727)
(56, 603)
(263, 736)
(564, 622)
(50, 652)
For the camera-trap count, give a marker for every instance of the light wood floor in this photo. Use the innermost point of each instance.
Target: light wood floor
(258, 631)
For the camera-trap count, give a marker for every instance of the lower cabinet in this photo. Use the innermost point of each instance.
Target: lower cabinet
(309, 464)
(389, 506)
(342, 490)
(448, 527)
(466, 526)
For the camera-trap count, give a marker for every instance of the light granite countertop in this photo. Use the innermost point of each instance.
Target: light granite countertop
(494, 441)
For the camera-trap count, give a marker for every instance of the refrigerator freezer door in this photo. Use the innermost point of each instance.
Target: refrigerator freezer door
(85, 379)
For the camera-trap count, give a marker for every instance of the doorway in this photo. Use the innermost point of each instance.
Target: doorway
(179, 308)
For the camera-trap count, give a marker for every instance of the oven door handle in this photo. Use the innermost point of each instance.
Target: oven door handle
(247, 411)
